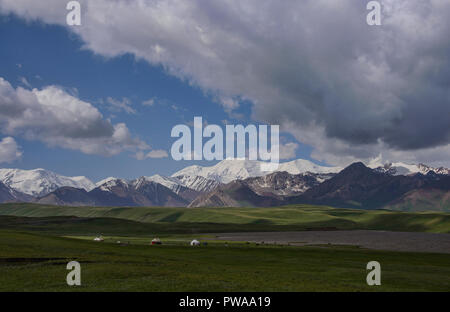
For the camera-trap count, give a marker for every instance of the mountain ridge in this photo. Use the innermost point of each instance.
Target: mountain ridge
(119, 192)
(38, 182)
(353, 186)
(357, 186)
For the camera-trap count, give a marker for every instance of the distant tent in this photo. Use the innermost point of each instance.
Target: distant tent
(195, 243)
(156, 241)
(99, 239)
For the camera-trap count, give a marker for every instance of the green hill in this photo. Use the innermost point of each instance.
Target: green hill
(296, 217)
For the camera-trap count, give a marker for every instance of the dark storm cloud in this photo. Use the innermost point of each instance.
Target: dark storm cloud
(315, 67)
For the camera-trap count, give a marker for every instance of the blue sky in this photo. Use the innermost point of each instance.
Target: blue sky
(340, 89)
(50, 55)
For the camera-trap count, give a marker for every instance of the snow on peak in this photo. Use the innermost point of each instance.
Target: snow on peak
(401, 168)
(108, 183)
(104, 181)
(39, 182)
(198, 183)
(302, 166)
(178, 183)
(239, 169)
(171, 183)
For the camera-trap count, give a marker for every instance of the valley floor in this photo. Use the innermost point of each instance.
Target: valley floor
(317, 249)
(35, 262)
(381, 240)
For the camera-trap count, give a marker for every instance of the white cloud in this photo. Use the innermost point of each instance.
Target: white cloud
(346, 88)
(152, 154)
(149, 102)
(25, 82)
(120, 105)
(53, 116)
(9, 150)
(288, 150)
(229, 104)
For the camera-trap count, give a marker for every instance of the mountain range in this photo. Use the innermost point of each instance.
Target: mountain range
(39, 182)
(227, 170)
(238, 183)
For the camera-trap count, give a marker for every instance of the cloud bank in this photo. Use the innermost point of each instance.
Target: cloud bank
(9, 150)
(152, 154)
(57, 118)
(350, 90)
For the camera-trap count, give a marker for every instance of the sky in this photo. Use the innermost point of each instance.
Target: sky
(100, 99)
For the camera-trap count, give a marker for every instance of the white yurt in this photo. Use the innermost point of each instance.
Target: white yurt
(195, 243)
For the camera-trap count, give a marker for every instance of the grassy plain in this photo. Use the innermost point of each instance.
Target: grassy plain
(36, 243)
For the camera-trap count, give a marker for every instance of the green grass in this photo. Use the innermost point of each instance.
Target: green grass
(37, 241)
(36, 262)
(194, 220)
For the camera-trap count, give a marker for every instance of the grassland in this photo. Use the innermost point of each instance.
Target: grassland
(36, 262)
(37, 241)
(289, 218)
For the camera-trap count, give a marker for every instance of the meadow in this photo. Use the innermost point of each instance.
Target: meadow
(36, 262)
(288, 218)
(36, 243)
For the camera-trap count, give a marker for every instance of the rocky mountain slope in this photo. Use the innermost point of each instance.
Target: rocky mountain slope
(286, 184)
(262, 191)
(397, 186)
(68, 196)
(8, 194)
(400, 168)
(357, 186)
(236, 194)
(117, 192)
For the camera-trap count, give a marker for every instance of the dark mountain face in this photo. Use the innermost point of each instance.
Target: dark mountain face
(118, 193)
(285, 184)
(154, 194)
(235, 194)
(269, 190)
(357, 186)
(65, 196)
(360, 187)
(426, 199)
(433, 196)
(8, 195)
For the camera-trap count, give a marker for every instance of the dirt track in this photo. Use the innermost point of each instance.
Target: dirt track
(382, 240)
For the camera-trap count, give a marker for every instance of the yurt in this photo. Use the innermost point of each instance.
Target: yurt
(195, 243)
(99, 239)
(156, 241)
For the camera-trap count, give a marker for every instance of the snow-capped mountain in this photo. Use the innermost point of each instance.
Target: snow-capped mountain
(298, 176)
(8, 194)
(187, 187)
(399, 168)
(39, 182)
(106, 181)
(198, 183)
(117, 192)
(229, 170)
(171, 183)
(109, 184)
(150, 187)
(286, 184)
